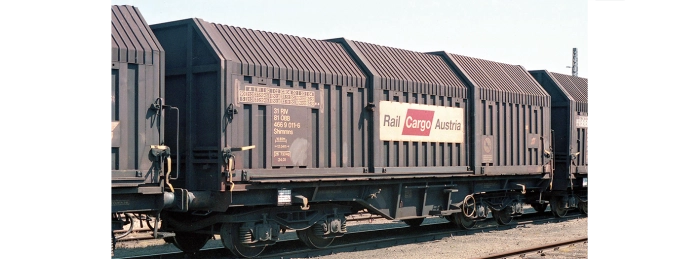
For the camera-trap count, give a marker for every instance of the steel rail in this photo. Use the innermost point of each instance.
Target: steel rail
(521, 252)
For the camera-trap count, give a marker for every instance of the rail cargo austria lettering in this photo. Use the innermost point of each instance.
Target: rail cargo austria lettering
(420, 122)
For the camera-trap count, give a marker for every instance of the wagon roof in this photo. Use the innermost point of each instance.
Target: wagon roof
(132, 38)
(262, 53)
(405, 70)
(576, 87)
(498, 76)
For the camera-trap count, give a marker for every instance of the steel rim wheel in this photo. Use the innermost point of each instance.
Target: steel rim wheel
(557, 209)
(414, 223)
(462, 221)
(503, 216)
(465, 220)
(231, 238)
(583, 207)
(539, 207)
(190, 242)
(309, 237)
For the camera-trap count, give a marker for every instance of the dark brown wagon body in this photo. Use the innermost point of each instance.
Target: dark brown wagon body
(570, 125)
(137, 83)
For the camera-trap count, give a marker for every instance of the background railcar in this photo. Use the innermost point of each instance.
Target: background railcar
(138, 156)
(570, 127)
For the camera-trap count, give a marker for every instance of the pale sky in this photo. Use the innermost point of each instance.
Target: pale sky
(535, 34)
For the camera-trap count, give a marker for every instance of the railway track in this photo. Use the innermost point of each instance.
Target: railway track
(372, 239)
(520, 253)
(144, 231)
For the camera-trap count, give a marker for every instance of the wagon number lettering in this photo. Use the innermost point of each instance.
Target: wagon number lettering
(281, 114)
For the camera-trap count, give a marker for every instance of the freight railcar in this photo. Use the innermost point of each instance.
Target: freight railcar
(272, 132)
(140, 161)
(570, 127)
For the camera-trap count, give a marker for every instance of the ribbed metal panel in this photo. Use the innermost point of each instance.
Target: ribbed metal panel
(286, 57)
(569, 122)
(502, 82)
(403, 70)
(137, 71)
(399, 77)
(299, 101)
(510, 116)
(576, 87)
(132, 39)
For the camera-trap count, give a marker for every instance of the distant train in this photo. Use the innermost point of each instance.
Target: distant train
(223, 130)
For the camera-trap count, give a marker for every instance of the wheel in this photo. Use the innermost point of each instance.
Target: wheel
(233, 241)
(503, 217)
(539, 207)
(557, 206)
(190, 242)
(311, 237)
(466, 218)
(583, 207)
(414, 223)
(461, 221)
